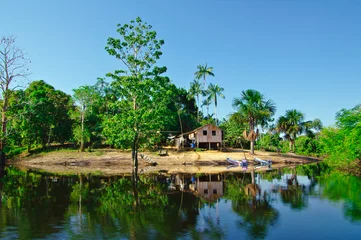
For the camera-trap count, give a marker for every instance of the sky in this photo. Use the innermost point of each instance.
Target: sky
(302, 54)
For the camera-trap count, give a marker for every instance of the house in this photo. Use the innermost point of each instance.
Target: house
(208, 136)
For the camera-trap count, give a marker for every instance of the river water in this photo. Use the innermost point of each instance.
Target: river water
(304, 202)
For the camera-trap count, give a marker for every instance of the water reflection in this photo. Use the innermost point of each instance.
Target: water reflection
(217, 206)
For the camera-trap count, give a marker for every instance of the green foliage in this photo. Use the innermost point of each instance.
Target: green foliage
(308, 146)
(122, 195)
(269, 141)
(233, 129)
(255, 110)
(20, 189)
(141, 93)
(292, 124)
(80, 191)
(212, 93)
(45, 115)
(89, 112)
(333, 186)
(342, 145)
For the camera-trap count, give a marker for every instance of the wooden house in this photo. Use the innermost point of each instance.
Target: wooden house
(208, 136)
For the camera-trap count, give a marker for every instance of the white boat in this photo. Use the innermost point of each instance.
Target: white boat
(263, 162)
(242, 163)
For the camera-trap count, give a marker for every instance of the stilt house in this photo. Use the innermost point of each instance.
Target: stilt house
(208, 136)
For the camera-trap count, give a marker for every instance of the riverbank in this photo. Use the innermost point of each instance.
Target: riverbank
(115, 162)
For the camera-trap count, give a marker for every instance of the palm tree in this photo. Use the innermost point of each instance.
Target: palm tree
(206, 102)
(293, 124)
(203, 72)
(194, 91)
(255, 110)
(213, 91)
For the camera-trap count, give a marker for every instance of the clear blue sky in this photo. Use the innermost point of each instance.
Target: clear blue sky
(302, 54)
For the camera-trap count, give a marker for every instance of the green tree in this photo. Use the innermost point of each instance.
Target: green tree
(13, 67)
(213, 92)
(195, 90)
(202, 72)
(293, 124)
(341, 145)
(254, 110)
(85, 97)
(45, 116)
(233, 129)
(206, 102)
(142, 92)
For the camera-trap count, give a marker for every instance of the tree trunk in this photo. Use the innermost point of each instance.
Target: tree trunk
(135, 160)
(180, 122)
(3, 132)
(82, 133)
(198, 109)
(215, 114)
(294, 145)
(252, 147)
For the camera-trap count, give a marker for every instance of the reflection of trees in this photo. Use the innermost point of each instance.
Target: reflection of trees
(30, 203)
(294, 194)
(340, 187)
(252, 205)
(148, 210)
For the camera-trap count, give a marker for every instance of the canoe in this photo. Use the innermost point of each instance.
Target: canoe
(263, 162)
(242, 162)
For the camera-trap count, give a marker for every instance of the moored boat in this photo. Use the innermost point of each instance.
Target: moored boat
(263, 162)
(242, 163)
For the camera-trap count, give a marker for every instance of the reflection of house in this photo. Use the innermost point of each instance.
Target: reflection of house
(209, 189)
(208, 136)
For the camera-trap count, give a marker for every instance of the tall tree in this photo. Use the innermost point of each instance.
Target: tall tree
(45, 116)
(142, 92)
(195, 90)
(256, 110)
(293, 124)
(213, 92)
(203, 72)
(85, 98)
(13, 67)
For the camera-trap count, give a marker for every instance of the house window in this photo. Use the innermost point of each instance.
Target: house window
(213, 133)
(214, 191)
(205, 191)
(204, 132)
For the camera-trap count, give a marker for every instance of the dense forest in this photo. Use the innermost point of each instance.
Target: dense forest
(139, 107)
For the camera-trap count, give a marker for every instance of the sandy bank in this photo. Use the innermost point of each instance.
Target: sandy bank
(113, 162)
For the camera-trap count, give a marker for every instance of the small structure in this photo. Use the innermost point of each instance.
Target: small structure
(208, 136)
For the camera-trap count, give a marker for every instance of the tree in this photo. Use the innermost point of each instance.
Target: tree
(254, 110)
(341, 145)
(142, 93)
(13, 66)
(206, 102)
(45, 115)
(203, 72)
(213, 92)
(85, 97)
(194, 91)
(293, 124)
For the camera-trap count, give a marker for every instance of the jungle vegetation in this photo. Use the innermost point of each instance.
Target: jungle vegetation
(137, 106)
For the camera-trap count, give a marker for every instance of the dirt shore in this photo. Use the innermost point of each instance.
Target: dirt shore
(113, 162)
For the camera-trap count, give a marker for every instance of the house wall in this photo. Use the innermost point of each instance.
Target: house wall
(210, 189)
(209, 137)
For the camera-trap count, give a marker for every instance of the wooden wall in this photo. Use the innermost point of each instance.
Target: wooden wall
(209, 137)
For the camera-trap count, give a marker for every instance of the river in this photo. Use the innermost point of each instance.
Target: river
(304, 202)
